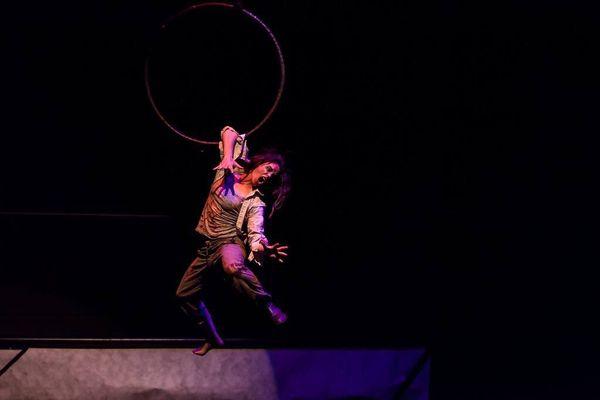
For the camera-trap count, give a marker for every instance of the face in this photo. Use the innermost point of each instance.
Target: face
(264, 173)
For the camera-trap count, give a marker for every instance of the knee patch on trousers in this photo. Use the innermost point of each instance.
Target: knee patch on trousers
(233, 268)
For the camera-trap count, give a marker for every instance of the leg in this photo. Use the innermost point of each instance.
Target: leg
(233, 259)
(189, 296)
(190, 286)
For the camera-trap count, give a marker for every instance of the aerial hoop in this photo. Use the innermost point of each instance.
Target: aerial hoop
(253, 18)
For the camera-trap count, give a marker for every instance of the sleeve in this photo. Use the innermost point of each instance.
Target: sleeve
(240, 150)
(256, 232)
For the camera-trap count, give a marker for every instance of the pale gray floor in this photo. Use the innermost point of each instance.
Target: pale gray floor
(137, 374)
(6, 356)
(238, 374)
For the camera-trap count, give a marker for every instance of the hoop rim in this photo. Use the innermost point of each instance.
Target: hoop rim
(265, 28)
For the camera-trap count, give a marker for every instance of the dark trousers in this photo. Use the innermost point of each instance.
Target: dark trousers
(228, 254)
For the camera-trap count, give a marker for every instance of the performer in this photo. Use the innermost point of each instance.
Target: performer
(231, 230)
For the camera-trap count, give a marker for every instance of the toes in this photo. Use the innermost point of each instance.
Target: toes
(202, 350)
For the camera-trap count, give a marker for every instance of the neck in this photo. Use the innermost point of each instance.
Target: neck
(245, 179)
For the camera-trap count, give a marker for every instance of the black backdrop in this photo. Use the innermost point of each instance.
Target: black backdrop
(443, 157)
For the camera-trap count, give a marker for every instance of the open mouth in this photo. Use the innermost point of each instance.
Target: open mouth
(261, 180)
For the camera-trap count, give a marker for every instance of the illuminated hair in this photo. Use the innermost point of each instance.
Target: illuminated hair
(277, 188)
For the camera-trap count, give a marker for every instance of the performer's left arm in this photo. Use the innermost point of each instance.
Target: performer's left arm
(258, 242)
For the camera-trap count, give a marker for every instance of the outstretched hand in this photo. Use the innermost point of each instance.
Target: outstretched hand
(228, 164)
(275, 251)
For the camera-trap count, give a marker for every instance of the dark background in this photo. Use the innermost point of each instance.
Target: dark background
(443, 162)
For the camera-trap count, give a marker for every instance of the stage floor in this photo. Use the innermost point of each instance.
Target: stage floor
(175, 373)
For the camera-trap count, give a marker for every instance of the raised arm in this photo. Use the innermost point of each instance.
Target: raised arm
(229, 138)
(232, 147)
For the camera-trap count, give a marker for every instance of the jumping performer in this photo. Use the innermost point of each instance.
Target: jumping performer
(231, 230)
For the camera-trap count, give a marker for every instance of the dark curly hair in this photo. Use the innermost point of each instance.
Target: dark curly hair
(277, 188)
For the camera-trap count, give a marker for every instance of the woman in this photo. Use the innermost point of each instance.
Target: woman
(231, 222)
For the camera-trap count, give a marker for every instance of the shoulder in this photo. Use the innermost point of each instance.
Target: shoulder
(257, 201)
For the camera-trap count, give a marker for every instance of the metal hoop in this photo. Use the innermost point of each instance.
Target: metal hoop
(253, 18)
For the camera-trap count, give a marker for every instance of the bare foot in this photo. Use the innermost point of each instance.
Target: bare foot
(201, 351)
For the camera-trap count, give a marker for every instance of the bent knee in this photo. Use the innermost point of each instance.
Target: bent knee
(233, 268)
(180, 296)
(183, 295)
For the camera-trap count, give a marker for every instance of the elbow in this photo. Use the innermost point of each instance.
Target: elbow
(228, 133)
